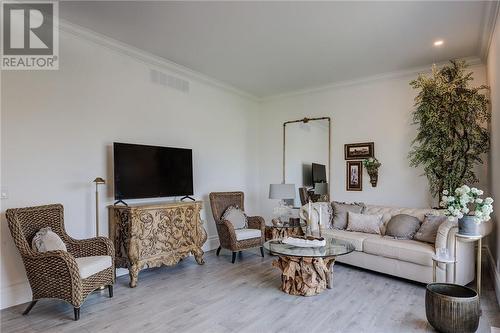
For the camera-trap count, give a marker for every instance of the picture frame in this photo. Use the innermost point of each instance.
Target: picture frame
(359, 151)
(354, 176)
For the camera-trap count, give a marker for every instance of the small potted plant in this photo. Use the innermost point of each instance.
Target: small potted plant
(467, 205)
(372, 164)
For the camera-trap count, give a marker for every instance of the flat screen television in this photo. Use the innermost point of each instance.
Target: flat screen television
(318, 173)
(149, 171)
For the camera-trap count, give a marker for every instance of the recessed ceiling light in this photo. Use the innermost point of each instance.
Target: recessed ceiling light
(438, 43)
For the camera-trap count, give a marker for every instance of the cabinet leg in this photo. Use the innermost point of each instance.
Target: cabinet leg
(198, 256)
(218, 251)
(134, 274)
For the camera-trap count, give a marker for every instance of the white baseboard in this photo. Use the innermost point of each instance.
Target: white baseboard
(495, 274)
(20, 292)
(15, 294)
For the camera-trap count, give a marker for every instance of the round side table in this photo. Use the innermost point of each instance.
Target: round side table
(445, 260)
(471, 238)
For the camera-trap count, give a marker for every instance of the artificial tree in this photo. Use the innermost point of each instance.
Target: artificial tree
(452, 120)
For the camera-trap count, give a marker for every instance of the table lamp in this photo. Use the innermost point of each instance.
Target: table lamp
(282, 192)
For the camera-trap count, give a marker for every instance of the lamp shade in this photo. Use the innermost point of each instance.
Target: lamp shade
(321, 188)
(282, 191)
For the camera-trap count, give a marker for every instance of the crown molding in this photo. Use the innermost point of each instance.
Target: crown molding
(147, 58)
(472, 61)
(490, 17)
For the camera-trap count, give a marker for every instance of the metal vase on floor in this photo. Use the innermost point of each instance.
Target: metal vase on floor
(452, 308)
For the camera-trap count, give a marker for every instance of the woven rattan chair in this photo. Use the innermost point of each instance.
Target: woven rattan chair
(55, 274)
(220, 201)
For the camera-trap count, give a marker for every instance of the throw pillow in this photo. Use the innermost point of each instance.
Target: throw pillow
(340, 210)
(47, 240)
(236, 216)
(402, 226)
(429, 228)
(369, 224)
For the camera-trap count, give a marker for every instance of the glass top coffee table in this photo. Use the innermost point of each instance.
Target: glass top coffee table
(307, 271)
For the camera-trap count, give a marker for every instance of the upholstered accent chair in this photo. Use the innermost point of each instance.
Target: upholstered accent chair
(70, 276)
(230, 238)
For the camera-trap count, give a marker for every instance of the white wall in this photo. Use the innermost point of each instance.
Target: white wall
(376, 110)
(57, 128)
(493, 66)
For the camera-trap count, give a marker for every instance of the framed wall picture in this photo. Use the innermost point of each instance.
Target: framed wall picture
(359, 151)
(354, 176)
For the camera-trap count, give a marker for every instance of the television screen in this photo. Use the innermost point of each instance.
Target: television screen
(149, 171)
(318, 173)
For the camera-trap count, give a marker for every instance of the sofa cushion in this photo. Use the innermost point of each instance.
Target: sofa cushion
(353, 237)
(236, 216)
(242, 234)
(88, 266)
(364, 223)
(402, 226)
(389, 212)
(406, 250)
(47, 240)
(340, 210)
(429, 228)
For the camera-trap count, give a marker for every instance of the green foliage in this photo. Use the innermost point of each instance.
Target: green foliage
(452, 121)
(371, 164)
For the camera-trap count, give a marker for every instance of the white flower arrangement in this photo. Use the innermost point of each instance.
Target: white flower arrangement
(467, 201)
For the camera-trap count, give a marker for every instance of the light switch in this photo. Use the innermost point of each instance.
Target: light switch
(4, 194)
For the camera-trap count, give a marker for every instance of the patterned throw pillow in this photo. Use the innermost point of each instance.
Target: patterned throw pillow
(236, 216)
(47, 240)
(429, 228)
(402, 226)
(340, 210)
(369, 224)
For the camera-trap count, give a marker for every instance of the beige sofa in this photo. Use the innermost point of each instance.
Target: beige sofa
(409, 259)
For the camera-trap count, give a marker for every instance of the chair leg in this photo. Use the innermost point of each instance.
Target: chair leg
(262, 251)
(77, 313)
(234, 257)
(218, 251)
(28, 309)
(110, 291)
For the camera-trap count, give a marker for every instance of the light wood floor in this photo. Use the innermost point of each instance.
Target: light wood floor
(244, 297)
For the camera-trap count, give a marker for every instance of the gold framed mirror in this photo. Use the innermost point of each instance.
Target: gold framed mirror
(307, 158)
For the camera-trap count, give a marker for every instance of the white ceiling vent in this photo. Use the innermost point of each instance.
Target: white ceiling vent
(167, 80)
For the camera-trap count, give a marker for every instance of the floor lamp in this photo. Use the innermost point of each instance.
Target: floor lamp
(98, 181)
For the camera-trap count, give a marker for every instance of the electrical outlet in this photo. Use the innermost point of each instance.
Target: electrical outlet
(4, 194)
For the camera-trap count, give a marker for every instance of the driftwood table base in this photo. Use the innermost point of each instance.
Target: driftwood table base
(273, 232)
(305, 276)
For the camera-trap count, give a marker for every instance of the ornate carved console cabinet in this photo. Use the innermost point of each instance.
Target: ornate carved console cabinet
(154, 235)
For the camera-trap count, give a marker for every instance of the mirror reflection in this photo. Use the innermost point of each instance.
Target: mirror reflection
(306, 159)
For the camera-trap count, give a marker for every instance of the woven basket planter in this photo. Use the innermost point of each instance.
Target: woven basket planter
(452, 308)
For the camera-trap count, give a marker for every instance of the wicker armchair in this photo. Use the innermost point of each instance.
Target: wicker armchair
(220, 201)
(55, 274)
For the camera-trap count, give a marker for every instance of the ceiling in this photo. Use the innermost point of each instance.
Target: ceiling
(271, 48)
